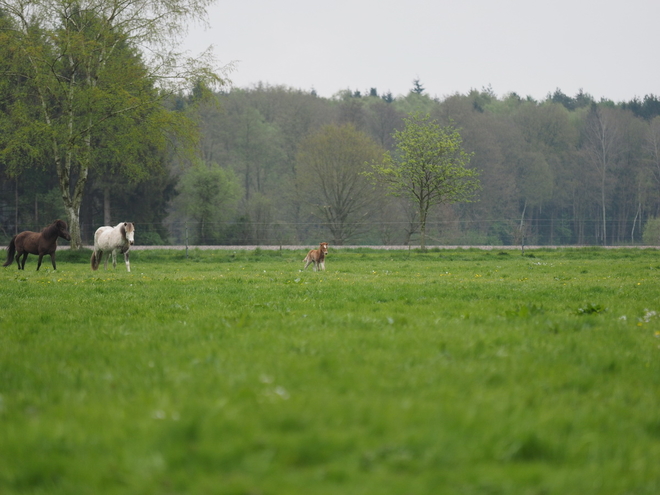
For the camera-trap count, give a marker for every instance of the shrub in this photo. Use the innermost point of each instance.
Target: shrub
(651, 232)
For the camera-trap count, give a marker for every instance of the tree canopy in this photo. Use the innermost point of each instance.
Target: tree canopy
(330, 179)
(536, 161)
(428, 167)
(89, 79)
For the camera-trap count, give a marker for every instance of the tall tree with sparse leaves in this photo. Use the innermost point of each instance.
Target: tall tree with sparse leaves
(331, 163)
(602, 144)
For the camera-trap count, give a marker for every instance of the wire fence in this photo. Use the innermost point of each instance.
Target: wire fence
(464, 233)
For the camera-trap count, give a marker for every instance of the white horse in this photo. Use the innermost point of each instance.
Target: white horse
(110, 239)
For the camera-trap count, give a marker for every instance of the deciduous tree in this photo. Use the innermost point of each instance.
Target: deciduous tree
(331, 164)
(429, 167)
(208, 194)
(602, 147)
(70, 51)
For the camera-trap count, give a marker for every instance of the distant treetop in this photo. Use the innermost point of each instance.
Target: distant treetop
(417, 87)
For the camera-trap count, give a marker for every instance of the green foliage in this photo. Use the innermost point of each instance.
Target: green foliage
(414, 103)
(207, 195)
(591, 309)
(417, 87)
(331, 165)
(524, 311)
(648, 108)
(531, 156)
(428, 168)
(78, 256)
(150, 238)
(391, 372)
(651, 233)
(84, 80)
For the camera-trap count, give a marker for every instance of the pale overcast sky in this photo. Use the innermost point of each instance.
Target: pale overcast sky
(607, 48)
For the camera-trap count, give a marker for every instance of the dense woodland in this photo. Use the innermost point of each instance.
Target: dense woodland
(283, 166)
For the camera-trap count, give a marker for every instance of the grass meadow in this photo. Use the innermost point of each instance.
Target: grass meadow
(393, 372)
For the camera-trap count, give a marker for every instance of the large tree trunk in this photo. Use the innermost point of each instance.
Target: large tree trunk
(72, 209)
(73, 216)
(72, 201)
(422, 230)
(424, 207)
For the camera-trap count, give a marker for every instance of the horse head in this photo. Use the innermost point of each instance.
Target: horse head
(128, 232)
(63, 229)
(324, 248)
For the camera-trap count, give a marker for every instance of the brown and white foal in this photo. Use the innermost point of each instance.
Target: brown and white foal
(317, 256)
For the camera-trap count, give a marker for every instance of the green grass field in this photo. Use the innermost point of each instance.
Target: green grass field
(458, 372)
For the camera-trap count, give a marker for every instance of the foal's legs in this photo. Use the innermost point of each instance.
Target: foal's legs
(114, 258)
(127, 261)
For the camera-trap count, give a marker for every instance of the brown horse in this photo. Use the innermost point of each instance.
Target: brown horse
(41, 243)
(317, 256)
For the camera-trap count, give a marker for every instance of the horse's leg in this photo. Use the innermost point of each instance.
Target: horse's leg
(52, 260)
(107, 257)
(127, 261)
(41, 256)
(21, 264)
(114, 258)
(322, 264)
(309, 260)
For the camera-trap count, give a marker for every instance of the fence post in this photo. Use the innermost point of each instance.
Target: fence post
(186, 239)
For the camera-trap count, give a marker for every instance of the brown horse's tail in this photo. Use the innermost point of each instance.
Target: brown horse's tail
(11, 251)
(95, 261)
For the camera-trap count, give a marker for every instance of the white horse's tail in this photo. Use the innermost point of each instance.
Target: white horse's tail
(96, 260)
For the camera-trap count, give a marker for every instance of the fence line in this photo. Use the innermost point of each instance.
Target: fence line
(440, 233)
(304, 247)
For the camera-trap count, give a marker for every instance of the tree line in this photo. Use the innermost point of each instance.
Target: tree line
(564, 170)
(91, 132)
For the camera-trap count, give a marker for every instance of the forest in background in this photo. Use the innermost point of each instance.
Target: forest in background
(278, 165)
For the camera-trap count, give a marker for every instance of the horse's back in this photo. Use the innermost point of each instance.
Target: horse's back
(100, 230)
(27, 241)
(26, 236)
(99, 234)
